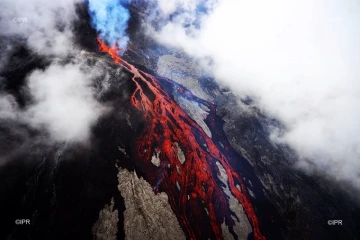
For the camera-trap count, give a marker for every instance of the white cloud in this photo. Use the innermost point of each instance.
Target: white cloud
(299, 61)
(169, 7)
(46, 25)
(65, 102)
(8, 107)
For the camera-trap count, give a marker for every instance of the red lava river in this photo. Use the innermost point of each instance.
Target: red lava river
(194, 191)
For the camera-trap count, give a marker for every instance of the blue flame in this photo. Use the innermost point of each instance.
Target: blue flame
(110, 19)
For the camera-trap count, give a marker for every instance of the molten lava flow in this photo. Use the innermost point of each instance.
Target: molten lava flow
(113, 51)
(192, 186)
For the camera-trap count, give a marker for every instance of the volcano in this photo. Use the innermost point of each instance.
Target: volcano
(175, 155)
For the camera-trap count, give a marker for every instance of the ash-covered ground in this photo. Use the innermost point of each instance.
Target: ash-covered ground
(97, 191)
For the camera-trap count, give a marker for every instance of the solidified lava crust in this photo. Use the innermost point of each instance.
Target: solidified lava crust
(192, 186)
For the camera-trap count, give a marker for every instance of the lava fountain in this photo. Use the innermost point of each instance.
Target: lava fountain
(195, 193)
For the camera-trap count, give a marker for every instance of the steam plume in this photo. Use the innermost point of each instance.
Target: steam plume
(110, 19)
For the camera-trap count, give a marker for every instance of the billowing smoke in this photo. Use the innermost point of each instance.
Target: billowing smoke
(110, 19)
(63, 104)
(298, 60)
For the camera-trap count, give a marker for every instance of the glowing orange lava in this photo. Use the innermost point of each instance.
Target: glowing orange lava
(194, 185)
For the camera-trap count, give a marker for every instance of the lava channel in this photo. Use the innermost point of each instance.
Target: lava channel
(191, 186)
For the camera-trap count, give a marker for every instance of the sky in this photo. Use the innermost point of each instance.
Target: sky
(298, 61)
